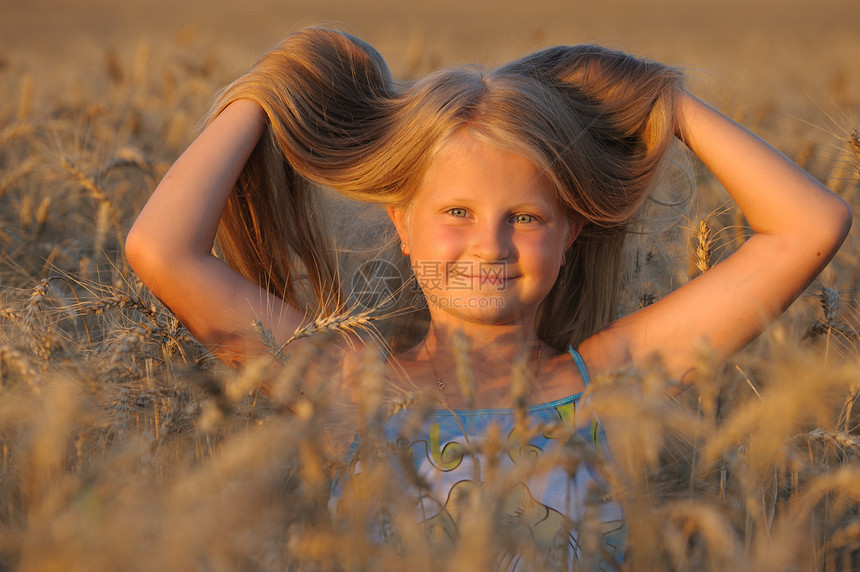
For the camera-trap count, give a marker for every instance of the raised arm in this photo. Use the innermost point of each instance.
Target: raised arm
(170, 244)
(799, 225)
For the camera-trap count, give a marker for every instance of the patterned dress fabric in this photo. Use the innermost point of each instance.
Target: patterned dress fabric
(547, 506)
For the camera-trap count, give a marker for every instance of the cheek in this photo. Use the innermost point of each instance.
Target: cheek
(541, 259)
(436, 242)
(540, 249)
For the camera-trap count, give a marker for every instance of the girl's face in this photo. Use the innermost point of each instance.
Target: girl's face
(485, 234)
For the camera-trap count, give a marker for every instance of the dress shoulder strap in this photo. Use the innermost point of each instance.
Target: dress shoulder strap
(580, 365)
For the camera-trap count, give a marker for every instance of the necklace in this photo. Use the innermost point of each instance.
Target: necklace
(441, 386)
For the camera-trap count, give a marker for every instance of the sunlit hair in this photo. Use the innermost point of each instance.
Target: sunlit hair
(599, 124)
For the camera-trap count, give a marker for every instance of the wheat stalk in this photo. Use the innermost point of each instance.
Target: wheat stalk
(25, 211)
(37, 296)
(341, 323)
(835, 438)
(269, 341)
(463, 367)
(854, 143)
(15, 131)
(829, 303)
(125, 345)
(12, 177)
(25, 102)
(704, 246)
(123, 301)
(127, 157)
(19, 360)
(848, 536)
(97, 193)
(42, 216)
(12, 316)
(686, 521)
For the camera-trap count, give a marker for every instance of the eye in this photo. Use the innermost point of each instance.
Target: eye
(457, 212)
(523, 218)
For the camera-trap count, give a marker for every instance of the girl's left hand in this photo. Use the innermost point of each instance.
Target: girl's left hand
(799, 225)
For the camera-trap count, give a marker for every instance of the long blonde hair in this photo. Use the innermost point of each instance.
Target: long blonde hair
(599, 123)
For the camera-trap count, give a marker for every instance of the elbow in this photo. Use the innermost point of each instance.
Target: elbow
(832, 229)
(135, 249)
(847, 219)
(843, 217)
(143, 256)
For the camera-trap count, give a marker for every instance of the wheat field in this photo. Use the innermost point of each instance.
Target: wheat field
(125, 446)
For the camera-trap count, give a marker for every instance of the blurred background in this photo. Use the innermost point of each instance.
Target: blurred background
(810, 48)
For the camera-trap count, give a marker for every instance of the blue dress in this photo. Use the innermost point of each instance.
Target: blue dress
(547, 505)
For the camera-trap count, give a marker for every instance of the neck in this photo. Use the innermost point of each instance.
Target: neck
(492, 357)
(485, 343)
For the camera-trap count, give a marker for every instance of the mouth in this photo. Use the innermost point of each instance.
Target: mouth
(467, 280)
(493, 279)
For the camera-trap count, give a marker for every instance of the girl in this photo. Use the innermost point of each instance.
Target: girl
(510, 192)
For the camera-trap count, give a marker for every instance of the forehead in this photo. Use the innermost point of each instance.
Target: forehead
(468, 164)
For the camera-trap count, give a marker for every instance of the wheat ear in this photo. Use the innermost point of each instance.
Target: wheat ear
(342, 323)
(704, 246)
(854, 143)
(107, 208)
(829, 303)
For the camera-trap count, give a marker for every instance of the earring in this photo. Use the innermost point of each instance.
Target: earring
(563, 260)
(404, 248)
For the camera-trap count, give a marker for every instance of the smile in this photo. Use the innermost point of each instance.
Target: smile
(481, 280)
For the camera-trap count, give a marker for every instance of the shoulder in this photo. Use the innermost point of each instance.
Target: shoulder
(560, 376)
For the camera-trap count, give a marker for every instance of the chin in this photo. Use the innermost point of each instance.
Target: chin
(482, 309)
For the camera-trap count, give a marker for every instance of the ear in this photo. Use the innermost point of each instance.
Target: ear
(398, 217)
(574, 227)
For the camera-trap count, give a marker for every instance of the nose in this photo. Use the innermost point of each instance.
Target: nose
(492, 242)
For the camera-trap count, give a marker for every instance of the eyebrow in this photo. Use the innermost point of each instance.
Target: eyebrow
(529, 204)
